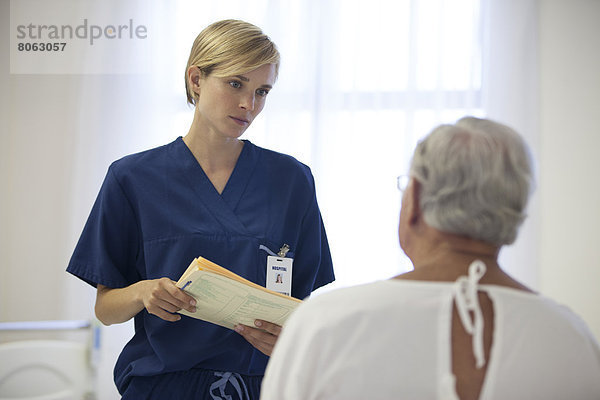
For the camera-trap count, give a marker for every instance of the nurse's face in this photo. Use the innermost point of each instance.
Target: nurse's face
(227, 106)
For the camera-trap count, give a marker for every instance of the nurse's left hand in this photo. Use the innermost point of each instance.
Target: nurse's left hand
(263, 337)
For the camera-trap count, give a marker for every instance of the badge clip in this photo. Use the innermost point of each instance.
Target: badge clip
(283, 250)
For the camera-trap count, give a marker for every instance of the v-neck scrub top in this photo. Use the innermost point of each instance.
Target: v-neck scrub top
(392, 340)
(157, 210)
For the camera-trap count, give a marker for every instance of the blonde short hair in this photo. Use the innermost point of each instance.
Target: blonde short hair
(230, 47)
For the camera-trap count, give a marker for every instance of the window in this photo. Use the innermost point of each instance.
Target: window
(360, 83)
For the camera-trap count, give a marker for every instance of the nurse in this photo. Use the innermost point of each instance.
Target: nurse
(206, 194)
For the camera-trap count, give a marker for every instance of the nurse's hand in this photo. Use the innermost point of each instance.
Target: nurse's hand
(160, 297)
(163, 298)
(263, 337)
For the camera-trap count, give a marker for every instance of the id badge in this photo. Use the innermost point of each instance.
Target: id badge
(279, 274)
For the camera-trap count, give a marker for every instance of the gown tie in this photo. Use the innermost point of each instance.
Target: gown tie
(467, 302)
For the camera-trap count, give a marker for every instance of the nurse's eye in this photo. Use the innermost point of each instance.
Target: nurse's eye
(262, 92)
(235, 84)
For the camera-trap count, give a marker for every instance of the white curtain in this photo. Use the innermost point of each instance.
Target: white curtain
(360, 83)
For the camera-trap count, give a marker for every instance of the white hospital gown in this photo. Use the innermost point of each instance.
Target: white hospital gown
(391, 340)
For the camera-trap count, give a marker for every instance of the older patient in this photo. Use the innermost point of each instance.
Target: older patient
(457, 326)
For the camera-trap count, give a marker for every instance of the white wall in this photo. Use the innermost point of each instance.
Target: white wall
(569, 188)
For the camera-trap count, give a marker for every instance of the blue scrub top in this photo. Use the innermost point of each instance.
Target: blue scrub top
(157, 210)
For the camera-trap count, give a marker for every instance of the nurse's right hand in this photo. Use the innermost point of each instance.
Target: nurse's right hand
(163, 298)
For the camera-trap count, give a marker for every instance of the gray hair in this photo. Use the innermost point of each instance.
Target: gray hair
(476, 177)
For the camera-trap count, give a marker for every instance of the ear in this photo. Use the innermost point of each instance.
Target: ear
(194, 76)
(414, 208)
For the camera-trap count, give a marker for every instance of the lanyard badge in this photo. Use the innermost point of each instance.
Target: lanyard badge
(279, 272)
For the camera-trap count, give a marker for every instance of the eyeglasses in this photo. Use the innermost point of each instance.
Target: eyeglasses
(402, 182)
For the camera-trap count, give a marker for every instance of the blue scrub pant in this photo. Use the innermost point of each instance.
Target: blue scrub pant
(197, 384)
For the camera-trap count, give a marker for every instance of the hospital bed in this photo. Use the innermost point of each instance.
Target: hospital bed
(47, 369)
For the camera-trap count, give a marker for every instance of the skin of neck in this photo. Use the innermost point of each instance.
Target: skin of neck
(212, 150)
(443, 256)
